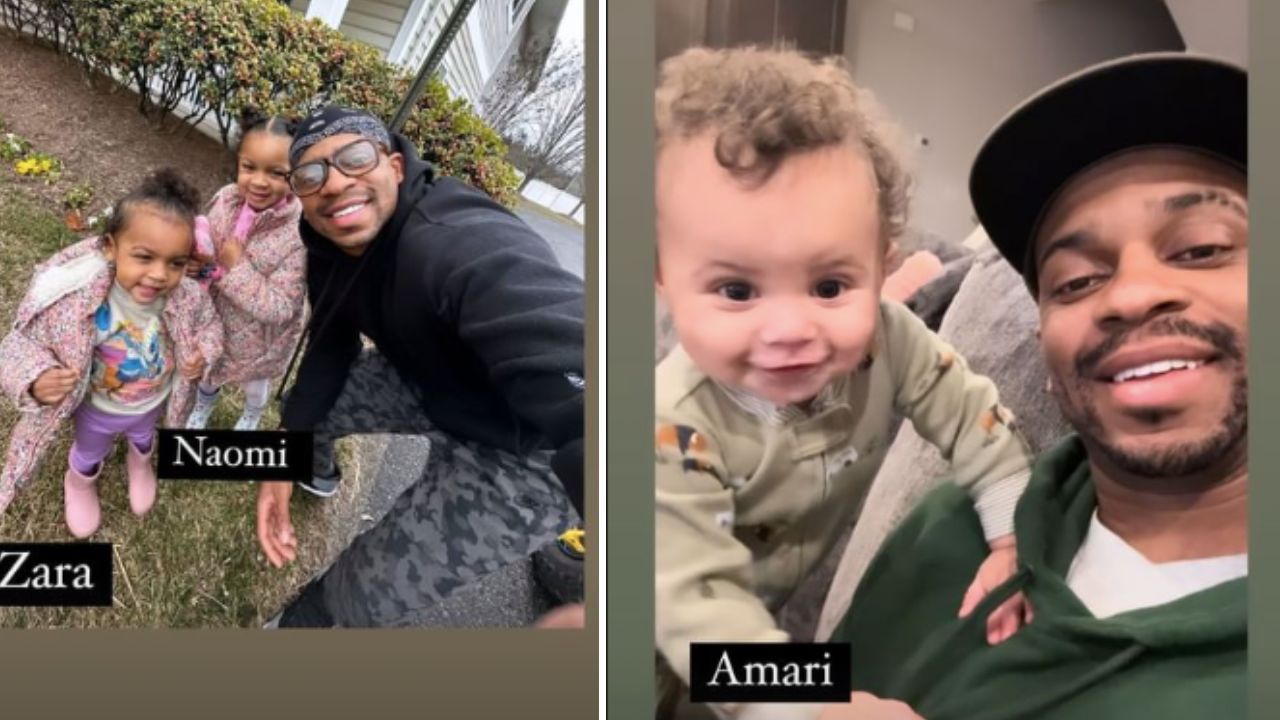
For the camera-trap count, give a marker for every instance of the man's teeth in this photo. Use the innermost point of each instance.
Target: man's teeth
(349, 210)
(1156, 368)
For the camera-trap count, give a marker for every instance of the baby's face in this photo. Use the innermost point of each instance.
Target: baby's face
(773, 289)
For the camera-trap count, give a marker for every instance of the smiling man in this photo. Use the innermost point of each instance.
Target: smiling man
(1120, 193)
(477, 337)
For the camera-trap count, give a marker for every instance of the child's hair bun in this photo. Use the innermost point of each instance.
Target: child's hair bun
(168, 188)
(250, 118)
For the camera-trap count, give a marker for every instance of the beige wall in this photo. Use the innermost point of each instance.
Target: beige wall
(1216, 27)
(968, 62)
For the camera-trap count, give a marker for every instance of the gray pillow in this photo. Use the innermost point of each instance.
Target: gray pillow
(992, 322)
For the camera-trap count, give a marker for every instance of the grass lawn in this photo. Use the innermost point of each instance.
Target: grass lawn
(193, 561)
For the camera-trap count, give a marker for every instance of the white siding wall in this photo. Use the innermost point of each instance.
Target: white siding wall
(471, 61)
(374, 21)
(481, 44)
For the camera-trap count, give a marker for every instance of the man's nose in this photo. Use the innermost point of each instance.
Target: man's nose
(1141, 288)
(335, 183)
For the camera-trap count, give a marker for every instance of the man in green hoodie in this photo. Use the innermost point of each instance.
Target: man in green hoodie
(1120, 193)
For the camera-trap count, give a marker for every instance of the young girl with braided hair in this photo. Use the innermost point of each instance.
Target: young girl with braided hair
(256, 270)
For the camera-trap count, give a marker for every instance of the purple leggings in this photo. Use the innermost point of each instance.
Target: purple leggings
(96, 432)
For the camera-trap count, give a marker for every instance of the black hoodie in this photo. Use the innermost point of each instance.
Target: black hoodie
(468, 303)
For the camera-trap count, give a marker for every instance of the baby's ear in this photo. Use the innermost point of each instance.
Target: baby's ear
(892, 258)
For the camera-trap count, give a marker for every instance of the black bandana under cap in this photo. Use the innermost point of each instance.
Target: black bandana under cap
(336, 120)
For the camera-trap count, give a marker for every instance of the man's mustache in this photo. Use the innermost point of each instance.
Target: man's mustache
(1219, 336)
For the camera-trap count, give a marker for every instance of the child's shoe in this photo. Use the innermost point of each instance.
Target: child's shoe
(205, 402)
(142, 478)
(80, 493)
(249, 419)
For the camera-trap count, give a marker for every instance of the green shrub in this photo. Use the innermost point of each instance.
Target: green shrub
(219, 56)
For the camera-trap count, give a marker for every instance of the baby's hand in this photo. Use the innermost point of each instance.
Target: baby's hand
(999, 566)
(864, 706)
(53, 385)
(193, 368)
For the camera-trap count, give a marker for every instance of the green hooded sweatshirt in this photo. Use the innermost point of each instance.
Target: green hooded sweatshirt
(1180, 660)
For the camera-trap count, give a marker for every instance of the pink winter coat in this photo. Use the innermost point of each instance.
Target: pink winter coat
(261, 299)
(54, 327)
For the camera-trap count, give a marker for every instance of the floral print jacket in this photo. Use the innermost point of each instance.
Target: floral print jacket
(261, 299)
(54, 327)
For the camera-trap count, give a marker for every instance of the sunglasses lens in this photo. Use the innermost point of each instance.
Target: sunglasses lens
(307, 178)
(357, 159)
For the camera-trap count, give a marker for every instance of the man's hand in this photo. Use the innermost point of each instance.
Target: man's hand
(231, 253)
(193, 368)
(573, 616)
(275, 531)
(999, 566)
(53, 385)
(865, 706)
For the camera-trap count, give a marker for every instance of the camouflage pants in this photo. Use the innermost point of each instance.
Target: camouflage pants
(474, 510)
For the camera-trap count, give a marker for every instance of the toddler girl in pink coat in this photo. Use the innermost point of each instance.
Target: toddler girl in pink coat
(256, 270)
(109, 335)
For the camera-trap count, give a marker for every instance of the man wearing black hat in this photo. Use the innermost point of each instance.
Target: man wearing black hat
(477, 337)
(1120, 193)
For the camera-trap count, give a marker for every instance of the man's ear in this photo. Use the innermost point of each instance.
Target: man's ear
(397, 164)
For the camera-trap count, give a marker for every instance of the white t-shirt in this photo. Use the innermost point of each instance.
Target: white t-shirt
(132, 361)
(1110, 577)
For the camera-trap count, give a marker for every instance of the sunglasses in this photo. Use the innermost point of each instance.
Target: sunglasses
(353, 160)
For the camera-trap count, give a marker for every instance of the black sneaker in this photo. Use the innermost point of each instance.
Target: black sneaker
(306, 611)
(322, 485)
(558, 565)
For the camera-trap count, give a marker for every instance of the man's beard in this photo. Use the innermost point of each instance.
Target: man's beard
(1163, 460)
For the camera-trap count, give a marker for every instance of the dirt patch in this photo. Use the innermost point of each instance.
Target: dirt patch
(95, 129)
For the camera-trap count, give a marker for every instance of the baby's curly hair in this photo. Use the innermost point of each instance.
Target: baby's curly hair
(765, 105)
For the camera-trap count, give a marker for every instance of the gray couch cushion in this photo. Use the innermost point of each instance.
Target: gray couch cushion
(992, 322)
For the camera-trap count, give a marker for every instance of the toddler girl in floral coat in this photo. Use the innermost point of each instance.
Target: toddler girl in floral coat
(259, 282)
(110, 335)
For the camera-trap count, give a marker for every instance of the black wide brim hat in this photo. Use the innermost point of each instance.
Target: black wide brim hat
(1157, 99)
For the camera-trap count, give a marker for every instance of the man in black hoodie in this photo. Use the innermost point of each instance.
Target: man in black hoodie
(477, 337)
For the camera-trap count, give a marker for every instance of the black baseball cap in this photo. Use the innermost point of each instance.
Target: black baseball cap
(1155, 99)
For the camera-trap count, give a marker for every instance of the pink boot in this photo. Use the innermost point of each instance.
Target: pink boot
(84, 513)
(142, 479)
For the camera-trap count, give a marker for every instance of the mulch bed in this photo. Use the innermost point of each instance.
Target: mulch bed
(95, 129)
